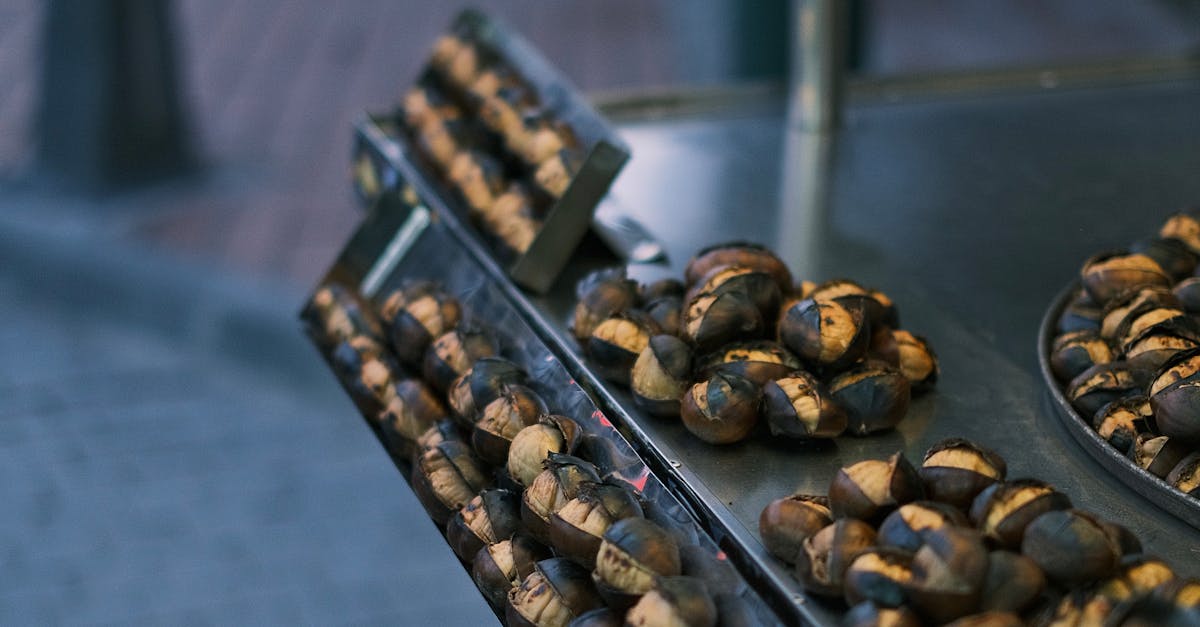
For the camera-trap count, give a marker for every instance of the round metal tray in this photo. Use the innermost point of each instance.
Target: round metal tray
(1153, 488)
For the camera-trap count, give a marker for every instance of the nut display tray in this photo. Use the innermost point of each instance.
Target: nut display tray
(1147, 485)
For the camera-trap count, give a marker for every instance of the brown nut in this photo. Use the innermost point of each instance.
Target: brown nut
(1172, 255)
(1074, 352)
(1100, 385)
(481, 385)
(1120, 422)
(633, 554)
(875, 397)
(517, 407)
(447, 477)
(667, 313)
(1176, 602)
(1012, 584)
(1108, 274)
(423, 105)
(554, 174)
(415, 315)
(785, 523)
(660, 375)
(880, 575)
(1185, 476)
(577, 528)
(674, 601)
(760, 361)
(918, 362)
(1175, 396)
(1071, 547)
(757, 285)
(349, 355)
(335, 314)
(452, 355)
(500, 567)
(798, 406)
(1157, 455)
(559, 482)
(948, 574)
(492, 516)
(599, 617)
(1081, 314)
(1150, 349)
(442, 138)
(905, 527)
(1187, 292)
(829, 335)
(738, 254)
(722, 409)
(824, 556)
(534, 444)
(955, 470)
(872, 489)
(602, 295)
(867, 614)
(411, 410)
(1003, 510)
(373, 388)
(662, 288)
(1122, 308)
(556, 592)
(616, 343)
(1140, 574)
(713, 320)
(1184, 227)
(441, 431)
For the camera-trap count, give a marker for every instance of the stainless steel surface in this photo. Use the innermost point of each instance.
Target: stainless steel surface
(625, 235)
(1187, 508)
(972, 214)
(818, 64)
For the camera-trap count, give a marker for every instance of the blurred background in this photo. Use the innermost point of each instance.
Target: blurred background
(174, 179)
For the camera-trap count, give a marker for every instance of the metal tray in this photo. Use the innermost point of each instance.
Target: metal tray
(401, 239)
(568, 218)
(1142, 482)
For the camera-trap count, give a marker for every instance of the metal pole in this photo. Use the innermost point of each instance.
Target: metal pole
(819, 34)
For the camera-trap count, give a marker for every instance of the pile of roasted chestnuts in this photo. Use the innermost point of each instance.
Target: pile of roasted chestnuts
(550, 538)
(957, 542)
(1127, 351)
(484, 129)
(737, 343)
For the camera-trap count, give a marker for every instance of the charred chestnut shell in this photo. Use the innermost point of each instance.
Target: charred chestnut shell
(871, 489)
(1157, 455)
(1184, 227)
(533, 444)
(875, 397)
(827, 334)
(1187, 292)
(661, 374)
(447, 476)
(1120, 422)
(1175, 396)
(452, 355)
(1074, 352)
(824, 556)
(1108, 274)
(759, 361)
(948, 574)
(441, 431)
(867, 614)
(1100, 385)
(1172, 603)
(616, 343)
(785, 523)
(411, 410)
(675, 601)
(1120, 311)
(560, 481)
(712, 320)
(415, 316)
(1071, 547)
(517, 407)
(599, 617)
(738, 254)
(372, 389)
(335, 315)
(349, 355)
(577, 528)
(602, 295)
(500, 567)
(481, 385)
(1082, 314)
(798, 406)
(633, 554)
(722, 409)
(755, 284)
(667, 314)
(556, 592)
(918, 362)
(955, 470)
(1185, 476)
(492, 516)
(1013, 582)
(1148, 350)
(905, 527)
(662, 288)
(879, 575)
(1002, 511)
(1172, 255)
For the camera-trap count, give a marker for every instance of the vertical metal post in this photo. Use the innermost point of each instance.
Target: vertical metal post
(819, 35)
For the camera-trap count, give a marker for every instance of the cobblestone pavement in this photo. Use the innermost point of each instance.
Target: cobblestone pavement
(154, 472)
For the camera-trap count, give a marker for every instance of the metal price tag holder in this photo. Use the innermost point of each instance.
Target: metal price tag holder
(403, 237)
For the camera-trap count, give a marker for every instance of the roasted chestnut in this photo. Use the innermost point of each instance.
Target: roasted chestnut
(599, 617)
(1082, 314)
(662, 288)
(1100, 385)
(798, 406)
(452, 355)
(1119, 422)
(875, 397)
(918, 363)
(556, 592)
(1183, 226)
(616, 343)
(559, 482)
(785, 523)
(1185, 476)
(481, 385)
(867, 614)
(1072, 547)
(633, 553)
(904, 528)
(660, 375)
(1140, 574)
(492, 516)
(442, 138)
(349, 356)
(441, 431)
(722, 409)
(674, 601)
(412, 408)
(463, 68)
(948, 574)
(758, 285)
(1074, 352)
(738, 254)
(1175, 396)
(336, 315)
(602, 295)
(871, 489)
(713, 320)
(955, 470)
(829, 335)
(1122, 308)
(577, 528)
(1108, 274)
(478, 177)
(760, 361)
(1157, 455)
(667, 313)
(533, 444)
(880, 575)
(988, 619)
(1003, 510)
(1176, 602)
(1171, 255)
(1187, 292)
(517, 407)
(447, 476)
(1013, 582)
(415, 315)
(423, 105)
(824, 556)
(1153, 346)
(500, 567)
(554, 174)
